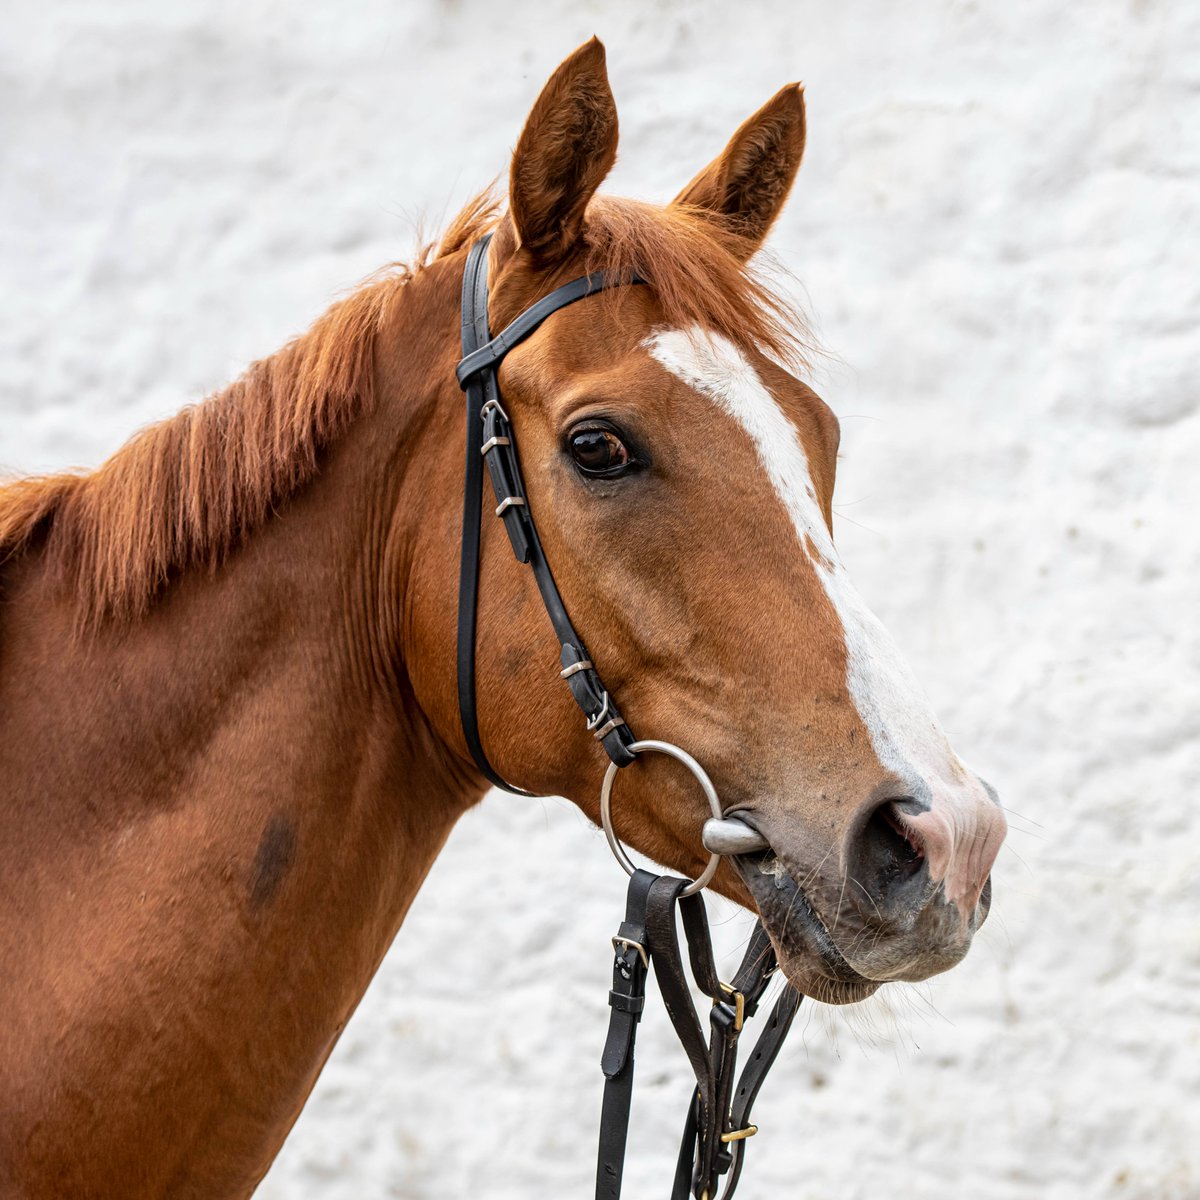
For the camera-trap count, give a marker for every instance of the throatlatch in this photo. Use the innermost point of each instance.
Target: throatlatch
(719, 1115)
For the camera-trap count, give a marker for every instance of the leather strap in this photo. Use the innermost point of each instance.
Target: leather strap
(708, 1059)
(766, 1050)
(474, 327)
(627, 1000)
(489, 354)
(490, 438)
(751, 982)
(718, 1107)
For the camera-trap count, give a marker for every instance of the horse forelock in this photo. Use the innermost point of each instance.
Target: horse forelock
(698, 269)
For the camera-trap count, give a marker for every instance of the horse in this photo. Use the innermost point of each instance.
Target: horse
(229, 731)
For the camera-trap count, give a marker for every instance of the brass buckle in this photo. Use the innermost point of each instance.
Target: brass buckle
(739, 1016)
(737, 1135)
(618, 942)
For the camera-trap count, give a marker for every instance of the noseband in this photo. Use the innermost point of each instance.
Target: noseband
(718, 1118)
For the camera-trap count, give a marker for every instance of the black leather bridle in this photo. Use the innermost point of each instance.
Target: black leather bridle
(490, 440)
(718, 1119)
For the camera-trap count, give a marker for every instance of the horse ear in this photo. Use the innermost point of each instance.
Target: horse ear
(746, 185)
(567, 147)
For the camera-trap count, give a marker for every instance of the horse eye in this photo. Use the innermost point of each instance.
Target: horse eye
(599, 452)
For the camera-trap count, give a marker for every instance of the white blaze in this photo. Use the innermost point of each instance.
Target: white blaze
(905, 734)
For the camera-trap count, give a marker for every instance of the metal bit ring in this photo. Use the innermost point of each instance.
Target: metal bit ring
(706, 786)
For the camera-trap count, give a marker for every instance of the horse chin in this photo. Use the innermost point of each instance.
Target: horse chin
(808, 955)
(934, 937)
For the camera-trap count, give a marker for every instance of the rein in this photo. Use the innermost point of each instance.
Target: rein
(718, 1120)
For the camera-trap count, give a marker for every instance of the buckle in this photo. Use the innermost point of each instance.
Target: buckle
(739, 1019)
(594, 723)
(738, 1135)
(629, 943)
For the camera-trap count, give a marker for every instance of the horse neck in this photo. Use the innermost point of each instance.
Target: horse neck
(240, 795)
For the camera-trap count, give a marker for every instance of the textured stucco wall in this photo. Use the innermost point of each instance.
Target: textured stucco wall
(996, 227)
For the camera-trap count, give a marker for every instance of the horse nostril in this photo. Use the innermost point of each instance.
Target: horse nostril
(903, 851)
(913, 848)
(888, 854)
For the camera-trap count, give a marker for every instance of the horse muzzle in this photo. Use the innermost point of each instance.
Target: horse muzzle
(835, 950)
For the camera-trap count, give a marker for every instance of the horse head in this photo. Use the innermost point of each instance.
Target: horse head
(681, 478)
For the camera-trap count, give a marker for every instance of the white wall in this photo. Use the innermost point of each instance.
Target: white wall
(996, 226)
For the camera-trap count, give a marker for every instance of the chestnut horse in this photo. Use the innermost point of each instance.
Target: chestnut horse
(229, 735)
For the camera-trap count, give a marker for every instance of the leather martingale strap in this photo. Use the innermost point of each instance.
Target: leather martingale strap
(490, 439)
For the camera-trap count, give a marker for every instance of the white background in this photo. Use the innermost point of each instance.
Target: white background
(996, 229)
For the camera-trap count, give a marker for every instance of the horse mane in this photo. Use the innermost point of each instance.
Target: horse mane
(186, 491)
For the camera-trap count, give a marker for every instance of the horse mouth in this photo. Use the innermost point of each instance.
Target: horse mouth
(808, 954)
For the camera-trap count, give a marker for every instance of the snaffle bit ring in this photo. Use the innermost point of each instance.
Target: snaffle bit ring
(706, 786)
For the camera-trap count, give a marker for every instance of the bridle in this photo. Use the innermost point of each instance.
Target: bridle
(718, 1120)
(490, 440)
